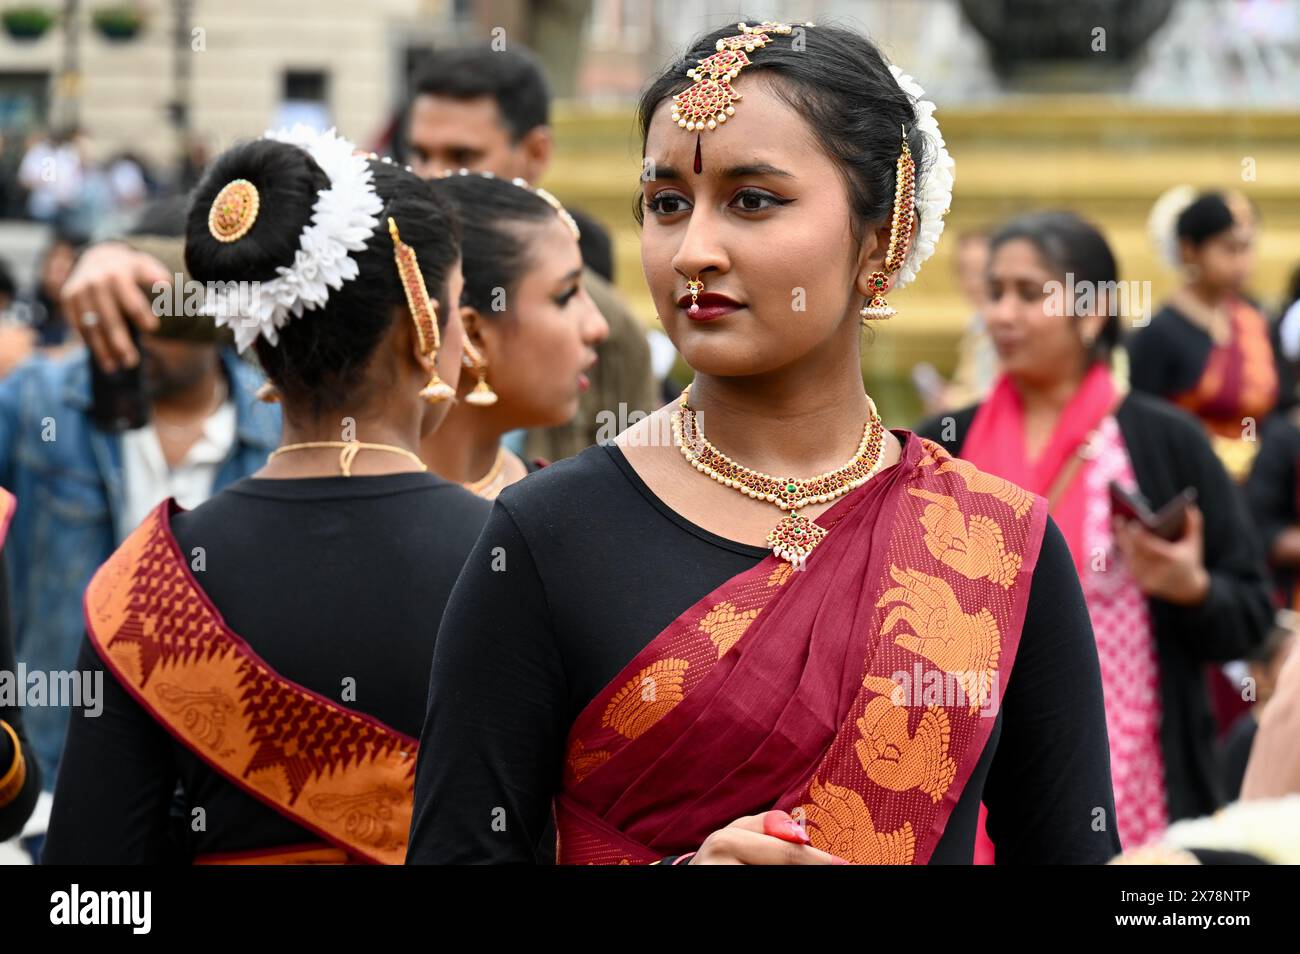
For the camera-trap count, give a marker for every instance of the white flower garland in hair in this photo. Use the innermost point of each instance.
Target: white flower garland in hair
(934, 196)
(1162, 222)
(344, 216)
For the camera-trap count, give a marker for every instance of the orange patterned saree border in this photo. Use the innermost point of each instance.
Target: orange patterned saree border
(339, 773)
(884, 791)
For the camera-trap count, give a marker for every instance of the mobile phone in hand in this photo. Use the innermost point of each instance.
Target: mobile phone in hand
(1168, 522)
(120, 400)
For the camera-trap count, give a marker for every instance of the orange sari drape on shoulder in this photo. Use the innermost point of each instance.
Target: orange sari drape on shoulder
(338, 773)
(1238, 384)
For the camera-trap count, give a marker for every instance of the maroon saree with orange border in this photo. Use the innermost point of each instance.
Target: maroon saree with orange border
(857, 693)
(338, 773)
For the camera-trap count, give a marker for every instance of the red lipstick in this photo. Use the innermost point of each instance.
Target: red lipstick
(712, 305)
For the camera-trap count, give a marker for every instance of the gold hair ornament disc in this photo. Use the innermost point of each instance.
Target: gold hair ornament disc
(234, 210)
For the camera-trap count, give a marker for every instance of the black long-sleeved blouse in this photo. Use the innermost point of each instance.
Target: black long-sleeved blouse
(591, 566)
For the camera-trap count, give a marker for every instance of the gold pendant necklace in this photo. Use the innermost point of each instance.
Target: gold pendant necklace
(350, 450)
(795, 536)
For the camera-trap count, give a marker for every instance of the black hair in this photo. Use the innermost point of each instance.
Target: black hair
(513, 77)
(596, 245)
(839, 82)
(320, 356)
(494, 250)
(1205, 218)
(8, 286)
(1068, 244)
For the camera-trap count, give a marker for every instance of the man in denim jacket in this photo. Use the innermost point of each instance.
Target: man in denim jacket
(80, 489)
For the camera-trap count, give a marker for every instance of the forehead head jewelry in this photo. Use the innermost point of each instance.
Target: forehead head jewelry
(234, 210)
(710, 100)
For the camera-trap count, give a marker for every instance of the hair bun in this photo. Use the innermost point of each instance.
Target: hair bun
(241, 233)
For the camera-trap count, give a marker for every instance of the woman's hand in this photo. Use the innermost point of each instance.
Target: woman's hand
(1173, 571)
(773, 838)
(1273, 769)
(103, 296)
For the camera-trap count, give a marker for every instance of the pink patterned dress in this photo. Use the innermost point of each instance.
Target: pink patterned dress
(1130, 675)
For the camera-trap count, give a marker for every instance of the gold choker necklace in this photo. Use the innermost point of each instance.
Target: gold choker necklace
(350, 450)
(795, 536)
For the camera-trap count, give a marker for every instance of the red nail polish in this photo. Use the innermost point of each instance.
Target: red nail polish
(775, 822)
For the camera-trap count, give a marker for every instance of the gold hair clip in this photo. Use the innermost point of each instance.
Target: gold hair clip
(565, 217)
(522, 183)
(423, 312)
(234, 210)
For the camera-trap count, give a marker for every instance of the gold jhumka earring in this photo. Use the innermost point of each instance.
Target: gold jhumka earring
(482, 395)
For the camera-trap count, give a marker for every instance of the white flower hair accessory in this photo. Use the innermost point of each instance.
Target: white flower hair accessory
(1162, 222)
(934, 198)
(344, 216)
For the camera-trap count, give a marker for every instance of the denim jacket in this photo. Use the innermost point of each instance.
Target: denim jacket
(68, 479)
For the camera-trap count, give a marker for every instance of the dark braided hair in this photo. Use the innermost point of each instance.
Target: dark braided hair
(321, 355)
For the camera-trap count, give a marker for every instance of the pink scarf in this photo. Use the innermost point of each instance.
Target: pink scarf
(996, 444)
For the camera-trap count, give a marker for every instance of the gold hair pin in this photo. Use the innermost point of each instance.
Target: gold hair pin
(423, 313)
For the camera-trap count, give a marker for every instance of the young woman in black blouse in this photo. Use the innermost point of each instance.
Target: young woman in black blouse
(622, 657)
(266, 655)
(531, 329)
(1057, 424)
